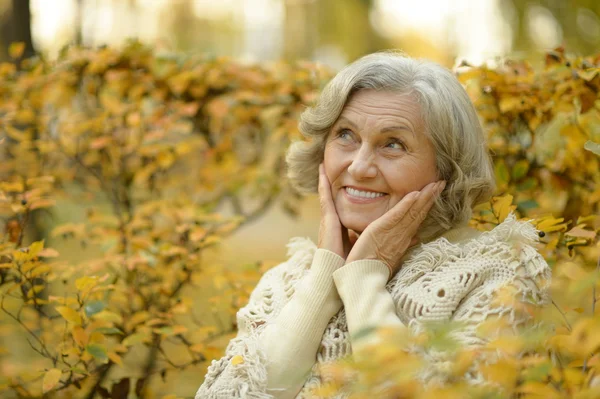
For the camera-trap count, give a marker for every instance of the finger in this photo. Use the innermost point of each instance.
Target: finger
(325, 199)
(399, 211)
(428, 196)
(420, 209)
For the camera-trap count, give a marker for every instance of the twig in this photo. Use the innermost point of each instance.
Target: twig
(103, 374)
(593, 309)
(563, 315)
(18, 320)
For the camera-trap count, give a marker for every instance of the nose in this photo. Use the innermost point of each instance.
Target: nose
(363, 165)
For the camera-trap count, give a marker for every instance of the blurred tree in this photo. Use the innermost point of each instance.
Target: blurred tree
(346, 24)
(15, 26)
(578, 23)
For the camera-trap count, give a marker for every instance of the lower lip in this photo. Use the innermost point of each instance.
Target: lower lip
(361, 200)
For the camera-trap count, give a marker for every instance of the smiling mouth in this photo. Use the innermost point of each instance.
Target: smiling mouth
(363, 194)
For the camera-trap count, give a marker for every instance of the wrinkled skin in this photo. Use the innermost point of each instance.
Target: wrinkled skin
(377, 145)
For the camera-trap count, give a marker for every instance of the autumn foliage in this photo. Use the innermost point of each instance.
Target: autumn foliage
(163, 140)
(166, 139)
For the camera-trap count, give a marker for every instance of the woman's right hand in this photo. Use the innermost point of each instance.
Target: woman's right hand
(333, 236)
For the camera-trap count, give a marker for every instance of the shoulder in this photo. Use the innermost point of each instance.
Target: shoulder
(448, 273)
(509, 242)
(300, 252)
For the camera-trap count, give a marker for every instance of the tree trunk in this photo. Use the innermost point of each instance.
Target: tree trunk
(16, 27)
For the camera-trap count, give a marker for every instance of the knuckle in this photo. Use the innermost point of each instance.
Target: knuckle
(413, 214)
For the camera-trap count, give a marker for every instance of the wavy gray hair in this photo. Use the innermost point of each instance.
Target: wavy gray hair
(450, 121)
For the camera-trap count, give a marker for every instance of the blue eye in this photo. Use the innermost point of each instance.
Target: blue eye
(396, 145)
(345, 134)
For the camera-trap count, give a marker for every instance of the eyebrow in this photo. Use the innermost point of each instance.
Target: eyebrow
(384, 130)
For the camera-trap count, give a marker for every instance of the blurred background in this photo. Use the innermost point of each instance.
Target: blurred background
(333, 32)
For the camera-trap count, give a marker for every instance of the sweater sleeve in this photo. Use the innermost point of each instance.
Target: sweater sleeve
(362, 286)
(275, 354)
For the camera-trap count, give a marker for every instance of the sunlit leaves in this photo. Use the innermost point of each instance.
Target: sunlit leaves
(51, 379)
(69, 314)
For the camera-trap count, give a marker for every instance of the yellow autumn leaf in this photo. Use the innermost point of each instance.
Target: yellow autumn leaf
(35, 248)
(69, 314)
(136, 319)
(198, 348)
(79, 335)
(16, 49)
(502, 206)
(48, 253)
(551, 224)
(504, 372)
(51, 379)
(538, 389)
(581, 233)
(39, 270)
(237, 359)
(86, 283)
(115, 358)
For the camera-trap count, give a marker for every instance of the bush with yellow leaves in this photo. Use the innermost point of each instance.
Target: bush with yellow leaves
(164, 139)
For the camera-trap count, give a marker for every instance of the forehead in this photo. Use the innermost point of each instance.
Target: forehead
(383, 105)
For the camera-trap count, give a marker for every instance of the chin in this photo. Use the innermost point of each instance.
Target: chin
(358, 225)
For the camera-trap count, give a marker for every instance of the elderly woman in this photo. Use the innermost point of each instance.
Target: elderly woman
(399, 159)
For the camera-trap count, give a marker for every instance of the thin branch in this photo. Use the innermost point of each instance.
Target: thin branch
(563, 315)
(23, 227)
(593, 309)
(40, 342)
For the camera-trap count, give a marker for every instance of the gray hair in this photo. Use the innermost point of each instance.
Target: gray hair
(450, 120)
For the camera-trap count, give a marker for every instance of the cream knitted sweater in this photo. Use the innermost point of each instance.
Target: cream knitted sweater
(306, 311)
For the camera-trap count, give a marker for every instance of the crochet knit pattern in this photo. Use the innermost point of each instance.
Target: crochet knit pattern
(439, 281)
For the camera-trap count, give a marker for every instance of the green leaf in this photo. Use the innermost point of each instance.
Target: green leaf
(501, 172)
(93, 307)
(98, 352)
(109, 330)
(527, 184)
(528, 204)
(520, 169)
(135, 339)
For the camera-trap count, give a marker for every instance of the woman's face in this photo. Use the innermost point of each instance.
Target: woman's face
(375, 154)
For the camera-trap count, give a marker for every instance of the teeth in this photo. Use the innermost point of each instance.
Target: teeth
(363, 194)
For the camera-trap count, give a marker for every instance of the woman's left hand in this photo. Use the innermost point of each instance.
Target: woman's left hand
(388, 237)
